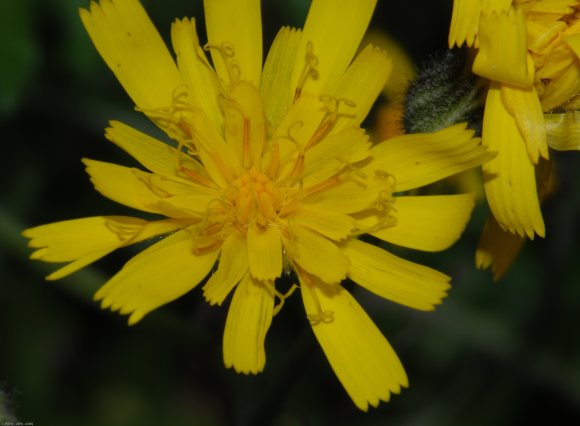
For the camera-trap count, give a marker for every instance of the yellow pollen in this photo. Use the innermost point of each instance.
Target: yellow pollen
(254, 197)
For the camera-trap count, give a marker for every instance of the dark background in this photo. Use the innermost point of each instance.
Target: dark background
(503, 353)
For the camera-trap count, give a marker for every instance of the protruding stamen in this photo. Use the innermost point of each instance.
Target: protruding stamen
(332, 107)
(274, 159)
(125, 232)
(227, 53)
(324, 185)
(148, 181)
(234, 107)
(196, 177)
(298, 166)
(206, 238)
(309, 70)
(282, 297)
(325, 317)
(321, 316)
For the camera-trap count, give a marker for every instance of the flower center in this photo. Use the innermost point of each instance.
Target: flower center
(254, 197)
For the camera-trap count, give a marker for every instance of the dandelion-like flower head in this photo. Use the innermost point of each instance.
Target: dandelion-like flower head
(268, 171)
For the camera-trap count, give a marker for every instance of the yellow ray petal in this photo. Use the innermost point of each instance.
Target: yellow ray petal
(333, 225)
(334, 153)
(195, 205)
(60, 241)
(563, 130)
(395, 279)
(244, 124)
(465, 19)
(317, 255)
(490, 6)
(552, 64)
(299, 125)
(506, 61)
(150, 192)
(524, 105)
(573, 41)
(362, 359)
(429, 223)
(195, 70)
(129, 186)
(155, 155)
(361, 84)
(509, 180)
(562, 88)
(264, 252)
(248, 321)
(235, 27)
(422, 158)
(133, 49)
(76, 265)
(332, 33)
(155, 277)
(275, 86)
(497, 248)
(232, 266)
(464, 22)
(559, 7)
(212, 150)
(542, 34)
(347, 197)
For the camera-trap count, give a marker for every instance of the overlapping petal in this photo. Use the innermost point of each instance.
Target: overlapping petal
(148, 192)
(233, 265)
(317, 255)
(506, 61)
(202, 83)
(509, 179)
(156, 276)
(128, 186)
(264, 252)
(524, 105)
(333, 154)
(333, 225)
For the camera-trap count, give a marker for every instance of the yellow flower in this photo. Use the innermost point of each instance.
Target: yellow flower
(269, 172)
(529, 50)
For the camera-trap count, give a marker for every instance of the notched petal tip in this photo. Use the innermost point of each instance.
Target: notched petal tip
(361, 357)
(247, 372)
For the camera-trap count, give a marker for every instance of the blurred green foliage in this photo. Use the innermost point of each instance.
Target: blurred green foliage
(19, 53)
(493, 354)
